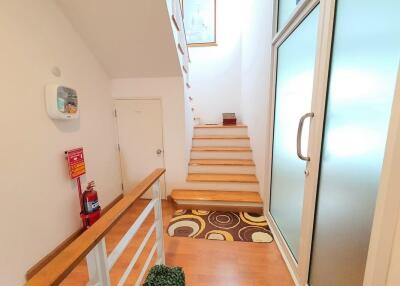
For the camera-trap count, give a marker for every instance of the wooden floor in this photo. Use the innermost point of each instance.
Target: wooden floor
(205, 262)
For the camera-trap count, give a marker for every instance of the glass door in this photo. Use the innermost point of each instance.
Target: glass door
(365, 57)
(293, 95)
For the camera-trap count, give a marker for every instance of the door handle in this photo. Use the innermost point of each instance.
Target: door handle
(159, 151)
(299, 133)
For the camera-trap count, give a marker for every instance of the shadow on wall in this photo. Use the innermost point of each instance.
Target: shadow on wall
(67, 126)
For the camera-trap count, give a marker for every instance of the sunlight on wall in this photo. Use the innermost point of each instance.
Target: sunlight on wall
(216, 70)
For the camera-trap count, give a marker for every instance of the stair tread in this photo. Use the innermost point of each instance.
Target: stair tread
(231, 178)
(220, 149)
(216, 196)
(220, 126)
(221, 137)
(221, 162)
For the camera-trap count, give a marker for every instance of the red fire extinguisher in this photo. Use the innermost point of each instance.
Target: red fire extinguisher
(91, 207)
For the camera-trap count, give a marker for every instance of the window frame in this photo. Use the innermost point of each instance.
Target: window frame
(205, 44)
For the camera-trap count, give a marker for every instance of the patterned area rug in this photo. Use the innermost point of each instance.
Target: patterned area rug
(216, 225)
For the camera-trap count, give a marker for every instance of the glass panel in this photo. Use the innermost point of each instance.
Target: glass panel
(295, 72)
(365, 57)
(285, 9)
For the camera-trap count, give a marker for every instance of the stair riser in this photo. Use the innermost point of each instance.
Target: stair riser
(223, 169)
(222, 142)
(220, 206)
(227, 203)
(220, 131)
(222, 186)
(221, 155)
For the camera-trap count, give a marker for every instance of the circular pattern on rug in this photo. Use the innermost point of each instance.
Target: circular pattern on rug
(219, 235)
(255, 234)
(259, 236)
(253, 219)
(200, 212)
(180, 212)
(224, 220)
(186, 225)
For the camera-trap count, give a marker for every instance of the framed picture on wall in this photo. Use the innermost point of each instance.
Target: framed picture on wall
(199, 17)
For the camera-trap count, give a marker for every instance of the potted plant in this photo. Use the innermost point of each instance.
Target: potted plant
(161, 275)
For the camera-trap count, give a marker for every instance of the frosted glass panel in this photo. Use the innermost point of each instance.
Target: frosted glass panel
(285, 9)
(295, 71)
(366, 51)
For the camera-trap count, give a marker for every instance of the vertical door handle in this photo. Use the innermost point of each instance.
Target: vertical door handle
(299, 133)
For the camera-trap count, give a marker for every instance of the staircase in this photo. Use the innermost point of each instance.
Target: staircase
(221, 171)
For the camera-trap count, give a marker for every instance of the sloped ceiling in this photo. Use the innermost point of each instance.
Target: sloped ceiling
(130, 38)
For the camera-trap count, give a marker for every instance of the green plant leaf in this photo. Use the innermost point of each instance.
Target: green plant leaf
(161, 275)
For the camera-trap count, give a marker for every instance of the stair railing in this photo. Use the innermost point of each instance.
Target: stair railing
(91, 244)
(178, 26)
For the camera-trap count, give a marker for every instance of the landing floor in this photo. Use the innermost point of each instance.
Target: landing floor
(205, 262)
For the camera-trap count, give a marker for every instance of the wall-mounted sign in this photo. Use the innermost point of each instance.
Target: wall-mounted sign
(76, 163)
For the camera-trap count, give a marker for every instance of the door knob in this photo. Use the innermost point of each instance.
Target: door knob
(159, 151)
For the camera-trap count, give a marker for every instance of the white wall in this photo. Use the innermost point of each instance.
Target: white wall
(256, 50)
(216, 71)
(171, 93)
(39, 204)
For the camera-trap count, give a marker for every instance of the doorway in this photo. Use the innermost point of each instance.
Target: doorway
(334, 72)
(140, 137)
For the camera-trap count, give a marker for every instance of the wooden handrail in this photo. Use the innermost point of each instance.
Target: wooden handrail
(59, 267)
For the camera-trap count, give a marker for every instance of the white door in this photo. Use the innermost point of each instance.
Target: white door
(140, 140)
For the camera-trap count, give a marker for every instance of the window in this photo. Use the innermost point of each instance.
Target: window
(285, 10)
(200, 22)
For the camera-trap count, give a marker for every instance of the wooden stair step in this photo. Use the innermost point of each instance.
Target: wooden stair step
(219, 149)
(220, 137)
(216, 196)
(230, 178)
(220, 126)
(221, 162)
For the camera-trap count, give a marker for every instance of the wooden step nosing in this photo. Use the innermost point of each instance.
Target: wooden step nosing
(222, 165)
(224, 178)
(239, 203)
(216, 195)
(221, 207)
(204, 199)
(222, 150)
(220, 181)
(226, 174)
(220, 126)
(221, 138)
(225, 192)
(222, 162)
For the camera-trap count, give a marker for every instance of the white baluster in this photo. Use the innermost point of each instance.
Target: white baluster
(159, 222)
(97, 265)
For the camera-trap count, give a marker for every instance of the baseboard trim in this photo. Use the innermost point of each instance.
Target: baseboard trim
(42, 262)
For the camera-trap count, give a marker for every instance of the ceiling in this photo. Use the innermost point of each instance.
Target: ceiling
(130, 38)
